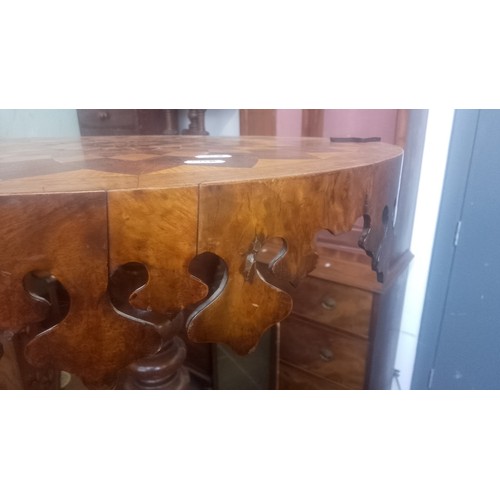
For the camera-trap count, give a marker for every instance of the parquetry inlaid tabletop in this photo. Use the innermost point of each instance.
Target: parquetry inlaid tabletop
(128, 162)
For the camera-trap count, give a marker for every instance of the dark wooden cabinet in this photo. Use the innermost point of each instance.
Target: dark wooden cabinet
(342, 333)
(121, 121)
(139, 122)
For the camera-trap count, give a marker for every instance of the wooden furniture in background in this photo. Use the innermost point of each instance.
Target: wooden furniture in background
(258, 122)
(171, 122)
(312, 122)
(139, 122)
(196, 122)
(115, 223)
(344, 327)
(264, 122)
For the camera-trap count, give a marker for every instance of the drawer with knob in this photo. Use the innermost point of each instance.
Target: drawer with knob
(338, 357)
(293, 378)
(334, 305)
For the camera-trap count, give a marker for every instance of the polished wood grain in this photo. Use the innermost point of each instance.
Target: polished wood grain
(81, 211)
(157, 228)
(65, 235)
(236, 220)
(133, 162)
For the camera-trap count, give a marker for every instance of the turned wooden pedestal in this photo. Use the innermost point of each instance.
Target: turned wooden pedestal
(118, 227)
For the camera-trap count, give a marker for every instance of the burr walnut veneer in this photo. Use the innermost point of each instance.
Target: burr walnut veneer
(113, 245)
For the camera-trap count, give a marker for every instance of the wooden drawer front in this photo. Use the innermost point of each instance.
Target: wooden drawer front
(107, 121)
(334, 305)
(292, 378)
(334, 356)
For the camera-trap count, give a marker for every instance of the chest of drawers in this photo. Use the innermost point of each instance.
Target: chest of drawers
(343, 331)
(121, 121)
(139, 122)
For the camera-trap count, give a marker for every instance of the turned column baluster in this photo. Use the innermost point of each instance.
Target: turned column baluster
(171, 122)
(196, 122)
(163, 370)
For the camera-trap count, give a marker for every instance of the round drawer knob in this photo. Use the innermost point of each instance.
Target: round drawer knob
(328, 303)
(325, 354)
(103, 115)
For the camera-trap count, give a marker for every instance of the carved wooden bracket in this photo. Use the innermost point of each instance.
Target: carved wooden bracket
(157, 228)
(65, 235)
(236, 218)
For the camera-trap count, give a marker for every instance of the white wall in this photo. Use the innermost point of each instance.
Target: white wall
(435, 156)
(223, 122)
(38, 123)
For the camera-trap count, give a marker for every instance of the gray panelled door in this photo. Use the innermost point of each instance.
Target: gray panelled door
(460, 336)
